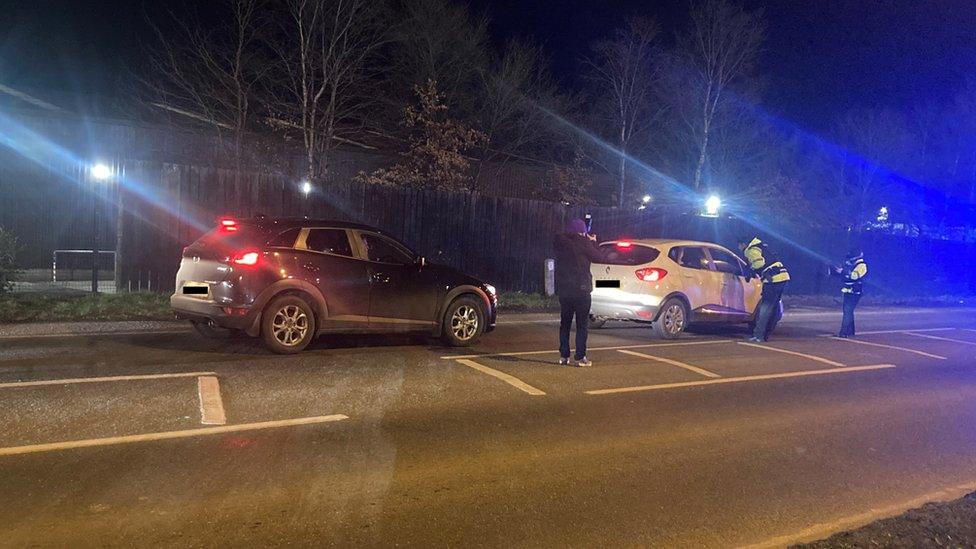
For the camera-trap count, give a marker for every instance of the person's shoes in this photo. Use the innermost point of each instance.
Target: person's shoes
(843, 336)
(757, 340)
(583, 363)
(564, 361)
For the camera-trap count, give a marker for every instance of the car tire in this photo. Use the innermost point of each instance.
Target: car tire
(463, 322)
(597, 323)
(210, 331)
(287, 325)
(672, 320)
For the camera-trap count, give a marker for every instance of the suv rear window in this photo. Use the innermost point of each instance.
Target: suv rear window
(636, 254)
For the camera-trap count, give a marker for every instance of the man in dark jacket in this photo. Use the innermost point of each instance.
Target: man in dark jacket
(575, 250)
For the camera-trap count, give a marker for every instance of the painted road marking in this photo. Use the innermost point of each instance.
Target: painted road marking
(166, 435)
(926, 336)
(511, 380)
(211, 405)
(695, 369)
(795, 353)
(101, 379)
(804, 373)
(615, 348)
(879, 332)
(882, 345)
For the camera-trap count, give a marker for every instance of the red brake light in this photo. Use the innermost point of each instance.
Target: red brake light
(246, 258)
(651, 274)
(624, 244)
(228, 225)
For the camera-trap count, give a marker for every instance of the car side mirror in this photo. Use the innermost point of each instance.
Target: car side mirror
(421, 261)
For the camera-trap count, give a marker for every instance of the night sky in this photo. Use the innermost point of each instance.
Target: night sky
(821, 58)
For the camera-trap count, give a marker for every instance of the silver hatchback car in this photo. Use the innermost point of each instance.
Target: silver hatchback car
(672, 283)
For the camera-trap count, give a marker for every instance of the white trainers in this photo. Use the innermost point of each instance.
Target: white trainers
(563, 361)
(583, 363)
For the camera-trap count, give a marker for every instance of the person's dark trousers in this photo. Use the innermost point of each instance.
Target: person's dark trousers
(579, 307)
(847, 325)
(768, 309)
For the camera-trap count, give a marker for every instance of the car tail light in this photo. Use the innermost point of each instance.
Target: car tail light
(228, 225)
(246, 258)
(625, 244)
(652, 274)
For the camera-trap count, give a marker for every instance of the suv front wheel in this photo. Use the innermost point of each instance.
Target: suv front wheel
(463, 323)
(287, 325)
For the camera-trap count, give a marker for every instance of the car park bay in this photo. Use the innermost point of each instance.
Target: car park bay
(390, 439)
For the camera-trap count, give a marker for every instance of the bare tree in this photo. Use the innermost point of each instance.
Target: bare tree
(624, 73)
(721, 47)
(325, 49)
(208, 75)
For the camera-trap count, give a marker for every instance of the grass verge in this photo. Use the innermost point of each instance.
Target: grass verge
(65, 307)
(949, 524)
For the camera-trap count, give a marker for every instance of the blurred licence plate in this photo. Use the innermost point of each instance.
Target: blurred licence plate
(607, 283)
(198, 289)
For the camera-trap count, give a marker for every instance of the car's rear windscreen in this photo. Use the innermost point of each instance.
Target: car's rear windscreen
(635, 254)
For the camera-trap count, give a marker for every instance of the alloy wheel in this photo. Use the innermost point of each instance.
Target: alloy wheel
(464, 322)
(289, 325)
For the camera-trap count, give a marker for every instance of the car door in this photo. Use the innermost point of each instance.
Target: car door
(329, 262)
(732, 286)
(696, 277)
(403, 293)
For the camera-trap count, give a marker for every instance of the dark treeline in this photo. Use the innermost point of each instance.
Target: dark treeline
(676, 114)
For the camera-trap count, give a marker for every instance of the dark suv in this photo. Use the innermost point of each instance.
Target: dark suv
(288, 280)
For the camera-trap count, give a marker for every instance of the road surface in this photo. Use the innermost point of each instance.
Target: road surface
(166, 439)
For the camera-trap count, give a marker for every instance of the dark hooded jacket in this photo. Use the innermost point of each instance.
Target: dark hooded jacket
(574, 253)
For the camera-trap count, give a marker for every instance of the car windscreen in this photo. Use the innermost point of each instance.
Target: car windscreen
(634, 254)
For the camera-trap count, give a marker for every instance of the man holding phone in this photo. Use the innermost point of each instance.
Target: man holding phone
(575, 249)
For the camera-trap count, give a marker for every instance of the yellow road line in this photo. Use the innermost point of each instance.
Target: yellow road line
(738, 379)
(211, 405)
(71, 381)
(511, 380)
(614, 348)
(926, 336)
(166, 435)
(795, 353)
(883, 346)
(695, 369)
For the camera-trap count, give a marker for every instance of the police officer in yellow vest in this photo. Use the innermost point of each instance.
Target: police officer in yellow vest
(774, 278)
(852, 273)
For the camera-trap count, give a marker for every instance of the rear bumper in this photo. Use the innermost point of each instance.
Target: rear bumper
(618, 305)
(202, 310)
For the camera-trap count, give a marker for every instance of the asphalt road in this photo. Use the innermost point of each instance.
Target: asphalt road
(171, 440)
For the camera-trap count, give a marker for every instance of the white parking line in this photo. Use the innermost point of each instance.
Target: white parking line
(689, 367)
(926, 336)
(738, 379)
(614, 348)
(95, 334)
(211, 405)
(894, 347)
(880, 332)
(101, 379)
(166, 435)
(511, 380)
(795, 353)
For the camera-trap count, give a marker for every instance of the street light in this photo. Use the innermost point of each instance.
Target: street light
(306, 187)
(646, 199)
(712, 205)
(101, 173)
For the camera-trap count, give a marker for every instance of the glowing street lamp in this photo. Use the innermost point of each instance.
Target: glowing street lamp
(883, 214)
(712, 205)
(646, 198)
(99, 172)
(306, 188)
